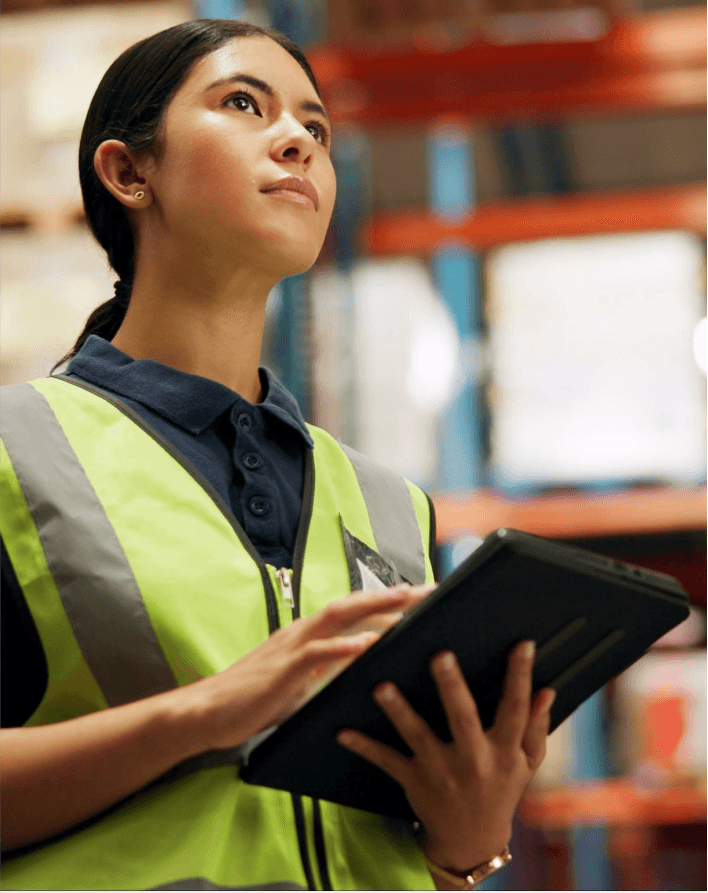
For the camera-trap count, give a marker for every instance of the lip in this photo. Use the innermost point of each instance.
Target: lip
(295, 184)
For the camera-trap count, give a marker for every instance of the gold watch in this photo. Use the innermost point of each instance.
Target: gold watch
(475, 875)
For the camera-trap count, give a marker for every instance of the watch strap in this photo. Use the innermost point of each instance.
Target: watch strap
(475, 875)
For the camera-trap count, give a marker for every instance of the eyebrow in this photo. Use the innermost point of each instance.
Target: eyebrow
(307, 106)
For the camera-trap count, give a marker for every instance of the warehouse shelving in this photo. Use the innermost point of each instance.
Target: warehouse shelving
(574, 515)
(645, 64)
(418, 231)
(614, 801)
(648, 62)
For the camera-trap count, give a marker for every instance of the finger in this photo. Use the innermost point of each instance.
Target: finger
(311, 666)
(344, 612)
(379, 623)
(513, 711)
(383, 622)
(415, 593)
(534, 742)
(460, 706)
(386, 758)
(335, 648)
(410, 725)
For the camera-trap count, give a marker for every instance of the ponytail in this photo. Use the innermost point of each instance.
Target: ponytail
(104, 321)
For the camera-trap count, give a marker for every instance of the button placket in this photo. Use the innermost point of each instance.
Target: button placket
(252, 460)
(259, 505)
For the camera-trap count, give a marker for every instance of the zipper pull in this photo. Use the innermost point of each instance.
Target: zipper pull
(286, 587)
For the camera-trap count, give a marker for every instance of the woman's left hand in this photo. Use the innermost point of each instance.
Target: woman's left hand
(465, 792)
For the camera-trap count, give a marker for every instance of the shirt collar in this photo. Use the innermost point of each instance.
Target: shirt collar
(189, 401)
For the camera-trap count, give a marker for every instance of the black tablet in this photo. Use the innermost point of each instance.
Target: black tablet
(590, 616)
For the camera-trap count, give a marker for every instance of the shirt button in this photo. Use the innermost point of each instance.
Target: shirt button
(244, 421)
(252, 460)
(259, 506)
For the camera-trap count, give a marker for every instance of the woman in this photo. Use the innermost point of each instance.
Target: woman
(156, 498)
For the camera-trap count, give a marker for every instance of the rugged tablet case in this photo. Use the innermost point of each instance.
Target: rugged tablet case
(591, 617)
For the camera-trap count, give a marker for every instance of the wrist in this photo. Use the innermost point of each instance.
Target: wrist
(188, 717)
(461, 858)
(469, 880)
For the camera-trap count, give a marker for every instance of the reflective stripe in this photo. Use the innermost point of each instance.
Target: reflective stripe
(392, 515)
(200, 883)
(110, 621)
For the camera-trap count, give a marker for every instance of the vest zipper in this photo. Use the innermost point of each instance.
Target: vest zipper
(286, 586)
(308, 495)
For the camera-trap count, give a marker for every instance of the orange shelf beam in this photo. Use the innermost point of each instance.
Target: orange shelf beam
(45, 218)
(653, 61)
(613, 802)
(573, 516)
(420, 231)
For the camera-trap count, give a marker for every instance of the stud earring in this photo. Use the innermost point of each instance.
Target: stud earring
(140, 194)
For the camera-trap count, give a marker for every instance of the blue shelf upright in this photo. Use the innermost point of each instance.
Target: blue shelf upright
(351, 160)
(455, 271)
(218, 9)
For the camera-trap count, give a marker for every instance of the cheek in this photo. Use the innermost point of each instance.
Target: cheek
(212, 164)
(331, 192)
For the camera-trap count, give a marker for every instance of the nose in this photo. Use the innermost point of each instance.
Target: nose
(294, 143)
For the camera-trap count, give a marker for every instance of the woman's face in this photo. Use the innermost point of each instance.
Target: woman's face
(246, 118)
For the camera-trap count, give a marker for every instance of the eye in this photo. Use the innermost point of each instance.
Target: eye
(244, 102)
(319, 131)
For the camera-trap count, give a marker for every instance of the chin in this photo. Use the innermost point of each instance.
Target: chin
(291, 263)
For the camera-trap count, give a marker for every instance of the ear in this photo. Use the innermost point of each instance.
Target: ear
(117, 169)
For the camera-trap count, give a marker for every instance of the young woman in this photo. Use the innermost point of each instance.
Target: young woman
(174, 531)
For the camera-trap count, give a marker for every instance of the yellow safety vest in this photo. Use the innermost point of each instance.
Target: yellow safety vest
(139, 579)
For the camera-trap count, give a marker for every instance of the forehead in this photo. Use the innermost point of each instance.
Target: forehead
(259, 56)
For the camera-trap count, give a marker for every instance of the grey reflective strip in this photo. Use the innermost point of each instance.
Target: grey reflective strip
(392, 515)
(200, 883)
(96, 584)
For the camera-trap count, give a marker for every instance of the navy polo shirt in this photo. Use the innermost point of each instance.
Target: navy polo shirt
(253, 455)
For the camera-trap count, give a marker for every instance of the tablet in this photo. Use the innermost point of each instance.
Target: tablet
(590, 616)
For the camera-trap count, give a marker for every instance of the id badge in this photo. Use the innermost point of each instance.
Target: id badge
(367, 569)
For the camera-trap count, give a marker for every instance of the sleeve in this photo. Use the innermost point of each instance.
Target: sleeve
(23, 669)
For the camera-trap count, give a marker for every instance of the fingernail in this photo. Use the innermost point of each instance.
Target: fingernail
(529, 649)
(345, 737)
(385, 692)
(550, 699)
(400, 589)
(447, 660)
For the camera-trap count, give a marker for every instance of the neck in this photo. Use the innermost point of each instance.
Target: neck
(206, 327)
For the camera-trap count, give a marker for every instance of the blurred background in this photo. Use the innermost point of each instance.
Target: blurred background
(510, 310)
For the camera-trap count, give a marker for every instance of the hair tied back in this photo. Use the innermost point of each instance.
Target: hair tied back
(122, 290)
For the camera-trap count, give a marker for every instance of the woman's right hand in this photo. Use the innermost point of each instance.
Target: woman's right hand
(272, 681)
(120, 750)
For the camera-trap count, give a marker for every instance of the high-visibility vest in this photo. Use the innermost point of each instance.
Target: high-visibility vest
(139, 579)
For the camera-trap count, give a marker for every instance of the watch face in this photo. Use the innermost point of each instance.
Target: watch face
(484, 871)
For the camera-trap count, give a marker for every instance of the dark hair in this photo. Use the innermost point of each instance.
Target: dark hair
(130, 105)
